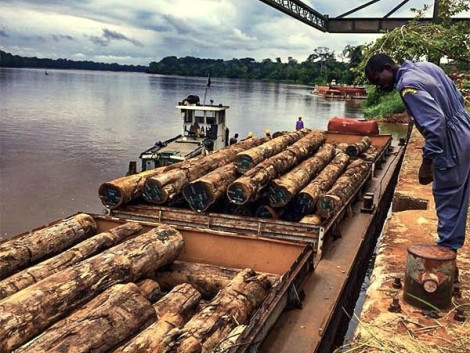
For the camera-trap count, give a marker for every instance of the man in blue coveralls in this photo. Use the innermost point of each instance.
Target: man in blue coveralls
(438, 111)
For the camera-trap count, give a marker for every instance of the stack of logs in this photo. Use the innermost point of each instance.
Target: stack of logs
(288, 177)
(65, 288)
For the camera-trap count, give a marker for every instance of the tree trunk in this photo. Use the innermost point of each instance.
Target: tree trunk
(266, 211)
(150, 289)
(173, 311)
(360, 146)
(343, 188)
(231, 339)
(312, 219)
(284, 188)
(182, 299)
(207, 279)
(246, 187)
(306, 200)
(232, 306)
(99, 325)
(75, 254)
(205, 191)
(370, 154)
(19, 253)
(248, 159)
(120, 191)
(28, 312)
(163, 187)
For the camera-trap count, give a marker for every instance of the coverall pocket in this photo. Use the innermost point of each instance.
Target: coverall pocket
(447, 178)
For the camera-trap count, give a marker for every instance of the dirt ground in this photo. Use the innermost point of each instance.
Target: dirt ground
(411, 330)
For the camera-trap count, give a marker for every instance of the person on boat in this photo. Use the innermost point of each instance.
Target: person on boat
(268, 134)
(300, 124)
(233, 139)
(248, 136)
(438, 112)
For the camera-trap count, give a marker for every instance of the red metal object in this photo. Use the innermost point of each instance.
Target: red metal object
(347, 125)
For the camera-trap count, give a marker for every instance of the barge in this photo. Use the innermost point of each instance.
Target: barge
(314, 268)
(338, 91)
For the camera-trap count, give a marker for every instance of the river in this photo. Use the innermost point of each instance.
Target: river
(64, 133)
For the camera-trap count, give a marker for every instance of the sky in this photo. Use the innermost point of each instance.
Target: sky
(139, 32)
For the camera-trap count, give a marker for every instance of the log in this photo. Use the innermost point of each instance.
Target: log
(283, 189)
(173, 311)
(266, 211)
(360, 146)
(207, 279)
(75, 254)
(312, 219)
(370, 154)
(306, 200)
(343, 188)
(163, 187)
(19, 253)
(150, 289)
(233, 306)
(100, 325)
(248, 159)
(118, 192)
(182, 299)
(28, 312)
(205, 191)
(247, 186)
(231, 339)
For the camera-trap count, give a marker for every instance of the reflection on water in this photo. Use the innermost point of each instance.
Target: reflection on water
(65, 133)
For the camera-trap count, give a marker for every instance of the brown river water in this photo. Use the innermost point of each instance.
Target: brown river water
(65, 133)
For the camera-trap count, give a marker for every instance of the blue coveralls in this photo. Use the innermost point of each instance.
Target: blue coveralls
(438, 110)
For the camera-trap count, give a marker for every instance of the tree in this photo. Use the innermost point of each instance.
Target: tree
(430, 42)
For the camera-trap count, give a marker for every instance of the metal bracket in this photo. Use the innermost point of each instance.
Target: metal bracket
(293, 299)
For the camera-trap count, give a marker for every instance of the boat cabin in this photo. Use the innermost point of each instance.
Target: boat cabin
(203, 130)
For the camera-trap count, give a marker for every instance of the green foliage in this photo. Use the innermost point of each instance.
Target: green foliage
(380, 104)
(430, 42)
(9, 60)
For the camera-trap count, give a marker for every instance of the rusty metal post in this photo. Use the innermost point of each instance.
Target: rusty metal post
(429, 276)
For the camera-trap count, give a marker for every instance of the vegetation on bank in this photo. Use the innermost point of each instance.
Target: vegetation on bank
(10, 60)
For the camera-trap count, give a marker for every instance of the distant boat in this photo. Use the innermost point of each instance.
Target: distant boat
(45, 72)
(334, 90)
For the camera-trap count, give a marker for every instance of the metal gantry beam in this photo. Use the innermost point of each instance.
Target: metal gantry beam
(299, 11)
(341, 24)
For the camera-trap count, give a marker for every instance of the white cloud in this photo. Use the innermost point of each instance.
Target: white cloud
(137, 32)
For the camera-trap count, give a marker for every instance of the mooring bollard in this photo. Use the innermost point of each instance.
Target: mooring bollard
(429, 276)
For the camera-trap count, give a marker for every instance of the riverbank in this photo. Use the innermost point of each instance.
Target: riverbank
(412, 220)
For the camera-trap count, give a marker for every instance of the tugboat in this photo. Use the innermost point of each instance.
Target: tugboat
(203, 131)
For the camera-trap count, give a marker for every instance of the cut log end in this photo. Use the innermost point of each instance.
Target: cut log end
(243, 163)
(199, 196)
(279, 196)
(110, 195)
(327, 205)
(304, 204)
(154, 193)
(238, 193)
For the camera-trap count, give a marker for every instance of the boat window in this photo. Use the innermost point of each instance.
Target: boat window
(200, 119)
(188, 118)
(211, 120)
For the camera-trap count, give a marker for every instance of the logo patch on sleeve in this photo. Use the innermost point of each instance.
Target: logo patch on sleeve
(408, 90)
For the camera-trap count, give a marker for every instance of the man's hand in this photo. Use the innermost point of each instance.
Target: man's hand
(425, 174)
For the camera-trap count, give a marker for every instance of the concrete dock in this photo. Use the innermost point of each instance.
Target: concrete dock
(412, 220)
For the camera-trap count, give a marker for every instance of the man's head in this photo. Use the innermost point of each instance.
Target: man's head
(300, 118)
(236, 135)
(380, 70)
